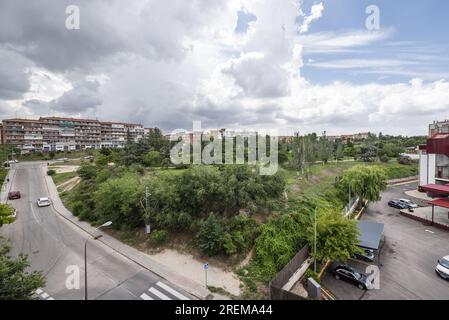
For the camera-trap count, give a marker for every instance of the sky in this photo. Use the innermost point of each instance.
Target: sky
(284, 65)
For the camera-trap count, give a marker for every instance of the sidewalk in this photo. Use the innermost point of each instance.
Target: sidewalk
(7, 185)
(418, 195)
(140, 258)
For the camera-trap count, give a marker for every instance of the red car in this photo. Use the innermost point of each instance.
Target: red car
(14, 195)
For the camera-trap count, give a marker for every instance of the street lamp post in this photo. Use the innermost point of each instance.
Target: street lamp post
(106, 224)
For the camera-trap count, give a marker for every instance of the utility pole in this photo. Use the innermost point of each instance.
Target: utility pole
(147, 209)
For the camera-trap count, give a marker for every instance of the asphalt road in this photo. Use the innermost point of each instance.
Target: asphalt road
(407, 259)
(56, 247)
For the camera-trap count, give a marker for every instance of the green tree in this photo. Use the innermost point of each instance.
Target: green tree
(87, 172)
(153, 159)
(6, 212)
(337, 237)
(366, 182)
(15, 282)
(210, 236)
(119, 200)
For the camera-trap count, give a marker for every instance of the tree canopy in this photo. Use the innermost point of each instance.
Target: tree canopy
(366, 182)
(15, 282)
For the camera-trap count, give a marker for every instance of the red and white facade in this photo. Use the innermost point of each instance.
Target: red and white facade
(434, 158)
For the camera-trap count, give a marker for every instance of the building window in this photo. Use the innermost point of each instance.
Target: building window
(442, 167)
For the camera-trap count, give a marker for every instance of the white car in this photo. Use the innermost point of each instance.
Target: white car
(442, 268)
(43, 202)
(409, 203)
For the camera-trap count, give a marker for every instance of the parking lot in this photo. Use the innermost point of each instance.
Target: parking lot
(407, 259)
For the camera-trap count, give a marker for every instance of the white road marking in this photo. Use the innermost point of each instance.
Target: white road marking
(144, 296)
(50, 298)
(172, 291)
(159, 294)
(39, 291)
(430, 231)
(45, 295)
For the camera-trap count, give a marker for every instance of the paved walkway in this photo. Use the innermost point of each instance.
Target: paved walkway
(6, 186)
(418, 195)
(441, 218)
(131, 253)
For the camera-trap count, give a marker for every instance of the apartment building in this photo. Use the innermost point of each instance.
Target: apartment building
(25, 134)
(67, 134)
(438, 127)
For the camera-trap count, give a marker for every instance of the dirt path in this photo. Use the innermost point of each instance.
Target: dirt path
(64, 169)
(191, 268)
(69, 184)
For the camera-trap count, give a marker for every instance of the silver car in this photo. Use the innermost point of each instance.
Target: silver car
(442, 268)
(43, 202)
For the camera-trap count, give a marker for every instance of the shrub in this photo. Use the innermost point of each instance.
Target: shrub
(51, 172)
(228, 244)
(158, 237)
(405, 160)
(384, 158)
(210, 236)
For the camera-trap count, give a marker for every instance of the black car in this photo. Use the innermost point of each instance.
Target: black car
(397, 204)
(351, 275)
(366, 255)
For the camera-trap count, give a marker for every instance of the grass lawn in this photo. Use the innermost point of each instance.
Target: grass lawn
(3, 173)
(322, 177)
(63, 177)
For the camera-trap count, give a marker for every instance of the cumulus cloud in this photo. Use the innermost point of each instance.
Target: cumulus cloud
(14, 75)
(315, 13)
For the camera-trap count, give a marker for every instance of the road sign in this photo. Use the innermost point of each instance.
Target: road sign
(148, 229)
(206, 266)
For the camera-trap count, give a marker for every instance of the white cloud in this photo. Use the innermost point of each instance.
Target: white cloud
(315, 13)
(332, 42)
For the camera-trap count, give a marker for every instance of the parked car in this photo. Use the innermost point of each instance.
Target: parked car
(14, 195)
(367, 255)
(410, 204)
(43, 202)
(442, 268)
(397, 204)
(351, 275)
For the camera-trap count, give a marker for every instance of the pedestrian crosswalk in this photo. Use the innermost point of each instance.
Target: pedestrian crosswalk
(161, 291)
(42, 295)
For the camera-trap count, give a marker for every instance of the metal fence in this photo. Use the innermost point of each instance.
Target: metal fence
(276, 291)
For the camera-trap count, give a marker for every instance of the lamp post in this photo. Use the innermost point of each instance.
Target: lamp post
(106, 224)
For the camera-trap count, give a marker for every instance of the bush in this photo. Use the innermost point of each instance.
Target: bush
(51, 172)
(384, 158)
(158, 237)
(405, 160)
(210, 236)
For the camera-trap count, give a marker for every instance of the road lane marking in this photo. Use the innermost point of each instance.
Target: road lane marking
(45, 295)
(50, 298)
(39, 291)
(159, 294)
(430, 231)
(172, 291)
(144, 296)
